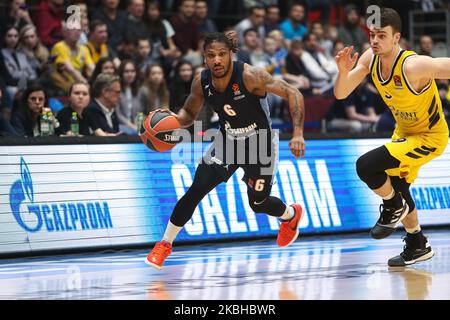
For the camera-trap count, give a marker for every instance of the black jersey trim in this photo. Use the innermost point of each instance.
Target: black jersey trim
(410, 88)
(385, 82)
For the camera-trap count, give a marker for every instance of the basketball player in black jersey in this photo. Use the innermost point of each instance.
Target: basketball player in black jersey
(237, 92)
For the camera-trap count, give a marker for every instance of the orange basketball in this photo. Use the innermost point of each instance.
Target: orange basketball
(159, 131)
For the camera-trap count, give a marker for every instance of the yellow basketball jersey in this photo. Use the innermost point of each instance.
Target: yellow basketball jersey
(414, 112)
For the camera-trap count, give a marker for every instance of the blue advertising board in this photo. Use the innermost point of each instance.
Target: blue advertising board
(79, 196)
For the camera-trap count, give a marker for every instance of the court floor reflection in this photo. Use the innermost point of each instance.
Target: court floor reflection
(332, 267)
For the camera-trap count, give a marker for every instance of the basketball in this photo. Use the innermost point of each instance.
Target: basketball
(159, 131)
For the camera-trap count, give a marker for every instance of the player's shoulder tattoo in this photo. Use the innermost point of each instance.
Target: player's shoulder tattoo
(260, 76)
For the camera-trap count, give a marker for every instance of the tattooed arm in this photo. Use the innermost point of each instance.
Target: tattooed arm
(258, 82)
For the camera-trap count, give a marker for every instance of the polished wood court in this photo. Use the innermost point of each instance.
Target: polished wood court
(326, 267)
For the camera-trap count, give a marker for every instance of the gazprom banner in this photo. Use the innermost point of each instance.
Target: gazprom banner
(75, 196)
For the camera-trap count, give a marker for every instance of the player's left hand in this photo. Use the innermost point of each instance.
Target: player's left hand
(297, 146)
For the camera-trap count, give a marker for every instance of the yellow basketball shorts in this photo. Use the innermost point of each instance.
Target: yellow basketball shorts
(413, 151)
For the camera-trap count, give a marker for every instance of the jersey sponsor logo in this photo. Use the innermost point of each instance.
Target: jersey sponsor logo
(387, 95)
(240, 131)
(406, 116)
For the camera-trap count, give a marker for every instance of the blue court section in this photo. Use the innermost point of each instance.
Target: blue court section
(326, 267)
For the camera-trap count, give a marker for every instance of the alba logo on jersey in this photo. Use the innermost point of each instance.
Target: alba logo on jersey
(33, 216)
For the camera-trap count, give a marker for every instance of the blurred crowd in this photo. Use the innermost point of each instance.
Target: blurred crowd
(125, 58)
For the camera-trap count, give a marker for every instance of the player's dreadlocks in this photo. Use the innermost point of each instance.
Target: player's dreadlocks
(229, 38)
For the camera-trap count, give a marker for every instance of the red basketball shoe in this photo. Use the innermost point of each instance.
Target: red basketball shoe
(160, 252)
(289, 229)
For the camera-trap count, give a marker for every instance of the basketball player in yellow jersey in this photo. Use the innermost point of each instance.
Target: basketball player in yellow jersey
(406, 83)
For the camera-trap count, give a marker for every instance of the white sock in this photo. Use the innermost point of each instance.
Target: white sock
(390, 196)
(416, 229)
(288, 213)
(171, 232)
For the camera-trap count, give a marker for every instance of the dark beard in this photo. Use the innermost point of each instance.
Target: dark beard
(225, 73)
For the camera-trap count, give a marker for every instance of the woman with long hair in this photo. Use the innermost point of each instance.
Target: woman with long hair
(26, 118)
(31, 46)
(129, 105)
(17, 67)
(180, 87)
(154, 93)
(161, 35)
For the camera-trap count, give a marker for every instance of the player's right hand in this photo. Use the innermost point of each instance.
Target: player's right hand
(345, 61)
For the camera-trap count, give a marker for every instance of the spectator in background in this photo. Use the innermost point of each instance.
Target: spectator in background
(136, 27)
(6, 129)
(48, 21)
(254, 20)
(78, 100)
(353, 114)
(145, 56)
(205, 24)
(154, 94)
(295, 69)
(3, 99)
(186, 28)
(280, 42)
(351, 33)
(338, 45)
(322, 71)
(26, 118)
(325, 45)
(332, 33)
(17, 16)
(253, 49)
(181, 84)
(116, 22)
(294, 27)
(129, 49)
(106, 92)
(104, 65)
(18, 68)
(72, 62)
(161, 36)
(426, 46)
(129, 105)
(272, 20)
(36, 53)
(98, 37)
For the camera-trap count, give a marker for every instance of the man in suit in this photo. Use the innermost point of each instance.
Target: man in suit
(106, 93)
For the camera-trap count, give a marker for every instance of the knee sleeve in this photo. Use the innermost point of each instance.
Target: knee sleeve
(270, 205)
(259, 205)
(371, 167)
